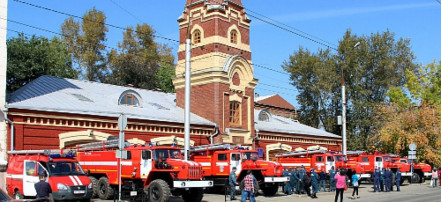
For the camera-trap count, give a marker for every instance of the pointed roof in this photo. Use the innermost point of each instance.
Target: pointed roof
(275, 101)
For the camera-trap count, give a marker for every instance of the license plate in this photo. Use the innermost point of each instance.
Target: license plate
(133, 193)
(79, 191)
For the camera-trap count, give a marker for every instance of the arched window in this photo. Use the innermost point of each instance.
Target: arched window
(196, 37)
(264, 116)
(129, 99)
(233, 36)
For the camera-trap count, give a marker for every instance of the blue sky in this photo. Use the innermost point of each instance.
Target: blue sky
(417, 20)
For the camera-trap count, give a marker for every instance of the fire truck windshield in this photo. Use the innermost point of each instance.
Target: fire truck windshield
(340, 158)
(249, 156)
(167, 153)
(61, 168)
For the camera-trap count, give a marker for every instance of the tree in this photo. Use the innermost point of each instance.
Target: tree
(85, 42)
(414, 116)
(369, 70)
(141, 61)
(29, 58)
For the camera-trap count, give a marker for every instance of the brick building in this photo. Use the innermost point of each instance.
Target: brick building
(54, 112)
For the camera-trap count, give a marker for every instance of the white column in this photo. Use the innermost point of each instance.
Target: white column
(3, 60)
(187, 99)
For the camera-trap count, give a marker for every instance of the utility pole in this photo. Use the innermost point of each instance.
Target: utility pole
(187, 97)
(3, 64)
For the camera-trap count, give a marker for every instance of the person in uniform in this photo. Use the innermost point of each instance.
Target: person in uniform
(43, 189)
(398, 179)
(287, 187)
(314, 183)
(302, 173)
(292, 180)
(296, 180)
(382, 179)
(233, 183)
(331, 179)
(387, 179)
(376, 180)
(322, 175)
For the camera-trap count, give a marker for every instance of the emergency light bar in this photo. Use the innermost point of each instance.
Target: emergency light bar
(298, 153)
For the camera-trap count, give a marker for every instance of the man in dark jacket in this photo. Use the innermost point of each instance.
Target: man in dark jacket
(398, 179)
(43, 188)
(322, 175)
(314, 181)
(233, 183)
(302, 173)
(287, 187)
(332, 181)
(387, 179)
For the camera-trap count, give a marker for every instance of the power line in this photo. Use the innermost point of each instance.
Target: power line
(75, 16)
(125, 10)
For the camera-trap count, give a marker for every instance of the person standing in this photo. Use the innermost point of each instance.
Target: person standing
(292, 180)
(331, 179)
(233, 183)
(355, 185)
(382, 179)
(43, 188)
(377, 180)
(287, 187)
(340, 184)
(387, 179)
(435, 178)
(398, 179)
(295, 188)
(248, 188)
(314, 183)
(302, 173)
(322, 175)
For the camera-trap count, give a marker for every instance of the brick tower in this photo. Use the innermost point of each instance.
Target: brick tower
(222, 78)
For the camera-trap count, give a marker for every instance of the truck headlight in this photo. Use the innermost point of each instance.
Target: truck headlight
(61, 186)
(90, 185)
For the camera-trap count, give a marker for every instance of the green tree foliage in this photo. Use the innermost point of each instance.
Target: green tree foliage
(141, 61)
(29, 58)
(369, 71)
(85, 42)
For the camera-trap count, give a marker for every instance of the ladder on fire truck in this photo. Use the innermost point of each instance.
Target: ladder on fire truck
(355, 152)
(299, 153)
(46, 152)
(211, 147)
(107, 144)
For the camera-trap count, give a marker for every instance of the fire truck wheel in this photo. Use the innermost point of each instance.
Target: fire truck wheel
(103, 188)
(17, 195)
(193, 195)
(159, 191)
(415, 178)
(271, 190)
(95, 188)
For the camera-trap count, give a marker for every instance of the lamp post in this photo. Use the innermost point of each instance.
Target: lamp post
(343, 111)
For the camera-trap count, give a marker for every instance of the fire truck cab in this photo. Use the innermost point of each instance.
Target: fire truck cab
(218, 161)
(65, 176)
(157, 171)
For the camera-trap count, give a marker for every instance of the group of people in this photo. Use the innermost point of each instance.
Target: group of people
(300, 182)
(384, 178)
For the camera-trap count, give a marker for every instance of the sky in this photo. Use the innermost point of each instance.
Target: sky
(322, 20)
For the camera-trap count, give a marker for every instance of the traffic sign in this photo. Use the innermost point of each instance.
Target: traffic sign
(410, 157)
(122, 122)
(412, 146)
(411, 153)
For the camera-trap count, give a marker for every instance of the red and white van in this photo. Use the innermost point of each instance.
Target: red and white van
(65, 176)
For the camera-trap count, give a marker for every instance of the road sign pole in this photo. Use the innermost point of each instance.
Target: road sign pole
(122, 124)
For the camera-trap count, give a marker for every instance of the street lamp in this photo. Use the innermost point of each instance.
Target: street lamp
(343, 111)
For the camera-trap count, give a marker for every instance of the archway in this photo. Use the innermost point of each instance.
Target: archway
(71, 139)
(273, 149)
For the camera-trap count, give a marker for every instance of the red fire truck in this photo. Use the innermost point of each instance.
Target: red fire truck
(218, 161)
(64, 174)
(157, 171)
(420, 170)
(320, 160)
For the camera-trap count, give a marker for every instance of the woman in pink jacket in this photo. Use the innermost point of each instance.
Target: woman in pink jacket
(340, 179)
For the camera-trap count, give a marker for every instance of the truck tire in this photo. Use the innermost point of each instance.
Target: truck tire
(415, 178)
(271, 190)
(159, 191)
(17, 195)
(193, 195)
(103, 188)
(94, 181)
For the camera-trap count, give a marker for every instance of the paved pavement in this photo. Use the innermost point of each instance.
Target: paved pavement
(409, 193)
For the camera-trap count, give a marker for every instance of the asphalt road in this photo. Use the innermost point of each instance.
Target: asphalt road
(409, 193)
